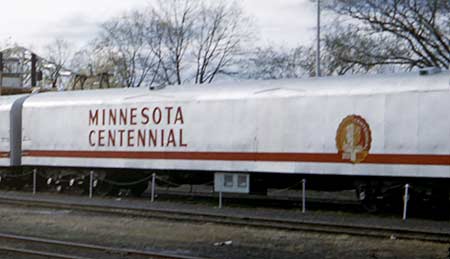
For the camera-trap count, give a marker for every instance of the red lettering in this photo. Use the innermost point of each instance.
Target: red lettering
(171, 139)
(152, 138)
(112, 117)
(111, 138)
(121, 132)
(179, 116)
(93, 118)
(103, 117)
(133, 116)
(91, 138)
(169, 109)
(157, 116)
(135, 137)
(181, 139)
(101, 138)
(123, 118)
(162, 138)
(130, 138)
(145, 116)
(141, 138)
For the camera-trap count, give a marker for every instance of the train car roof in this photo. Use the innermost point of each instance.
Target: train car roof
(325, 86)
(7, 101)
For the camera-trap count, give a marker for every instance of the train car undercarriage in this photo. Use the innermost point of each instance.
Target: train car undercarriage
(374, 193)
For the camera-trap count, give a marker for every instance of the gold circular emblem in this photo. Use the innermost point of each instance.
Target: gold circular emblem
(353, 139)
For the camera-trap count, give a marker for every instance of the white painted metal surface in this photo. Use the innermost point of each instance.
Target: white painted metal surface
(287, 126)
(10, 118)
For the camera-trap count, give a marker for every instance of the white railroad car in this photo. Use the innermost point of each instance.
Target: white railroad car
(368, 127)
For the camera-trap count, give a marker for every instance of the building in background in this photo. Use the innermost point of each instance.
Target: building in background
(23, 71)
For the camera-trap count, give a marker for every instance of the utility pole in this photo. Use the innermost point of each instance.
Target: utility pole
(318, 40)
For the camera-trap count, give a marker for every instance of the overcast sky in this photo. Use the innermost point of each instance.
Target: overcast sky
(36, 23)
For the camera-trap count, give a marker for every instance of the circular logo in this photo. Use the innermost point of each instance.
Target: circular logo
(353, 139)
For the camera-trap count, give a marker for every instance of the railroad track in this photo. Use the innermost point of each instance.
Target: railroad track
(48, 248)
(352, 205)
(239, 220)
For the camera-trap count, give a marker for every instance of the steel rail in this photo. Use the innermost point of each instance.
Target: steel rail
(68, 244)
(238, 220)
(39, 253)
(268, 199)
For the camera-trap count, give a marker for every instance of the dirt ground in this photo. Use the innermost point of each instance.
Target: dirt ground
(207, 240)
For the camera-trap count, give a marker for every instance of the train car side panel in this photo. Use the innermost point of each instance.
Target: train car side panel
(334, 127)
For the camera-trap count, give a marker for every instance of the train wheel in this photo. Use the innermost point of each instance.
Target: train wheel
(102, 188)
(138, 189)
(368, 198)
(440, 206)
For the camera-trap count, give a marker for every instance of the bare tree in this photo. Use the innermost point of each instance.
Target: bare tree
(174, 42)
(124, 41)
(220, 30)
(94, 69)
(198, 39)
(58, 55)
(277, 63)
(347, 50)
(405, 33)
(84, 61)
(174, 25)
(7, 43)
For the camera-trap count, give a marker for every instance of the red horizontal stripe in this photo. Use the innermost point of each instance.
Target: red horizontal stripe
(405, 159)
(408, 159)
(4, 154)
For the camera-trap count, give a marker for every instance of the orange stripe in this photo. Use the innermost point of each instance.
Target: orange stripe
(405, 159)
(4, 154)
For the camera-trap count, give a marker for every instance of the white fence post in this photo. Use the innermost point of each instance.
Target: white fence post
(91, 183)
(34, 181)
(152, 199)
(405, 201)
(303, 195)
